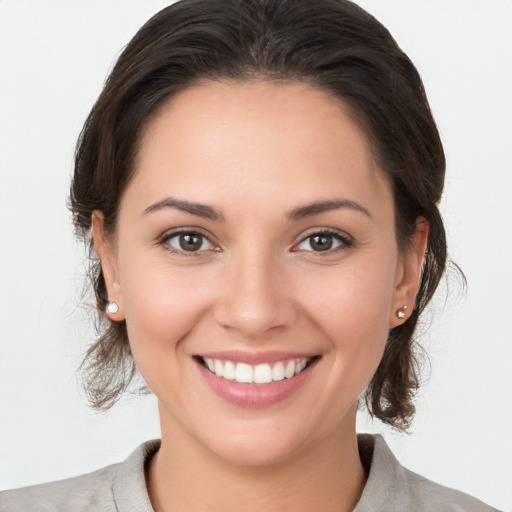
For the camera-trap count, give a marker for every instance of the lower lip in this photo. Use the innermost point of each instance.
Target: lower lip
(254, 395)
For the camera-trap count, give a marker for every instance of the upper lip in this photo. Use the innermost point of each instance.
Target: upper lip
(255, 358)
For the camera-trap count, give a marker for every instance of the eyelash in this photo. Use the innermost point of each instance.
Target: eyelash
(164, 242)
(344, 240)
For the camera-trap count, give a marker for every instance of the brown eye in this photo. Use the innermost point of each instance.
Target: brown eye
(189, 242)
(324, 242)
(321, 242)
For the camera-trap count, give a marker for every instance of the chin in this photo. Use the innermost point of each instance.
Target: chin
(256, 444)
(255, 452)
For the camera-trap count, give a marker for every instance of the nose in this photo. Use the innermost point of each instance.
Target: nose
(256, 300)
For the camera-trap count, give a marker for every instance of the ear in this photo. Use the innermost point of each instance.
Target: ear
(408, 274)
(105, 251)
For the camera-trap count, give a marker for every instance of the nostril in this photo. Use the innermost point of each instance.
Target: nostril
(253, 316)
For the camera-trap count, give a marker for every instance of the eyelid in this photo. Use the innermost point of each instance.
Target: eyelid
(344, 238)
(346, 241)
(167, 235)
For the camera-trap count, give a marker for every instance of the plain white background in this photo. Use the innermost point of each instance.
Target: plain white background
(54, 56)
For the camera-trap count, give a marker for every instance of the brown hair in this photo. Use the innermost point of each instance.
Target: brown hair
(330, 44)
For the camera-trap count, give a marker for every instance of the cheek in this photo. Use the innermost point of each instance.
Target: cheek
(161, 307)
(352, 309)
(161, 310)
(354, 300)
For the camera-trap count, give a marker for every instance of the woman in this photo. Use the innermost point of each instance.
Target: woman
(260, 180)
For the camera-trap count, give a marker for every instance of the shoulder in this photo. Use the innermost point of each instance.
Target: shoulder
(432, 496)
(78, 493)
(104, 489)
(391, 487)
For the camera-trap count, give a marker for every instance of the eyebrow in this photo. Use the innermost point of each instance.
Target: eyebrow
(302, 212)
(201, 210)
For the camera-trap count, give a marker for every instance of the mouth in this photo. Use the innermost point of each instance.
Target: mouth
(259, 374)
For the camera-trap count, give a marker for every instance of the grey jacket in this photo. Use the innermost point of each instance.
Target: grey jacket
(122, 488)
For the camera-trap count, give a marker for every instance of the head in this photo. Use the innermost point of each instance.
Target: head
(332, 47)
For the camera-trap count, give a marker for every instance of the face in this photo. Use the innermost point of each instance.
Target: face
(256, 265)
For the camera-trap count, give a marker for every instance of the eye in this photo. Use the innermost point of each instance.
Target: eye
(188, 241)
(323, 242)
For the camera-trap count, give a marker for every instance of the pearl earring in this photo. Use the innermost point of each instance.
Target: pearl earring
(400, 312)
(112, 307)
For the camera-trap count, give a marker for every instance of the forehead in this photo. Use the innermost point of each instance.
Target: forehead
(237, 138)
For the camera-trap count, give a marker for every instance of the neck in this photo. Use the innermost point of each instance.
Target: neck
(185, 476)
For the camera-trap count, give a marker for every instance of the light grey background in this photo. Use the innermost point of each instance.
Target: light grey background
(54, 56)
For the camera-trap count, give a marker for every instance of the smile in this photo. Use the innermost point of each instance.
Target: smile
(257, 379)
(261, 374)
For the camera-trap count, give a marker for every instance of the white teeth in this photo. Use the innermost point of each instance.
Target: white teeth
(299, 367)
(218, 368)
(229, 370)
(259, 374)
(289, 370)
(262, 374)
(243, 373)
(278, 371)
(209, 363)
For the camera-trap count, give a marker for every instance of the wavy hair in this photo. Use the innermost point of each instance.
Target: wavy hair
(333, 45)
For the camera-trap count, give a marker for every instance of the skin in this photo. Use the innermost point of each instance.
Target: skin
(254, 152)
